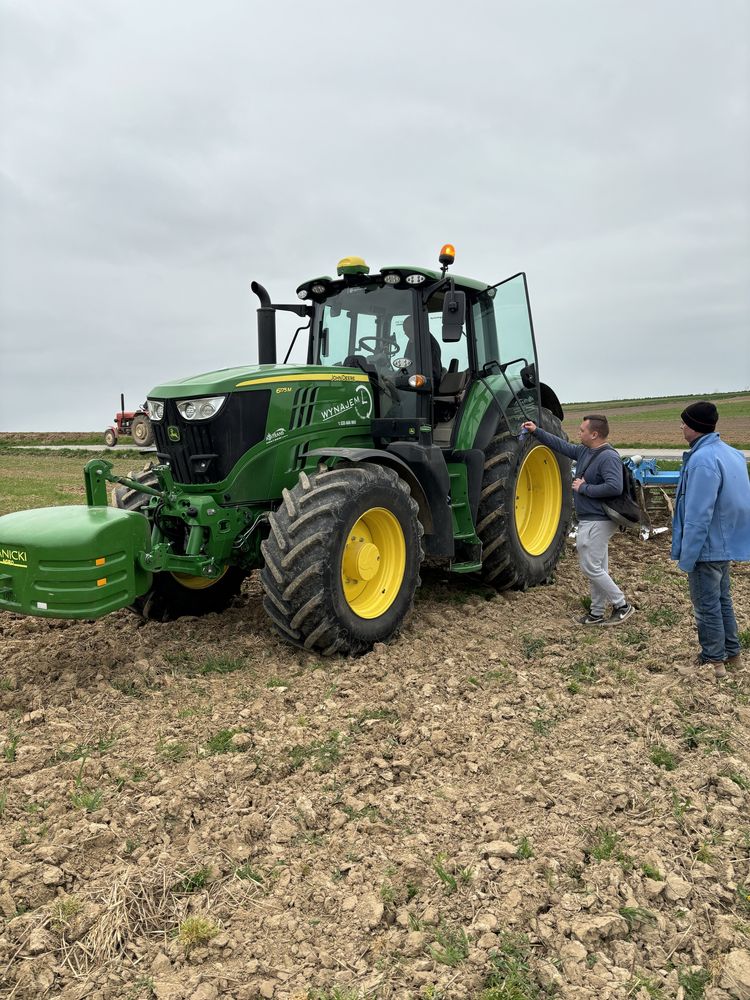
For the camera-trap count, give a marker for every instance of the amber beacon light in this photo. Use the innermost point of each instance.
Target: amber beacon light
(447, 254)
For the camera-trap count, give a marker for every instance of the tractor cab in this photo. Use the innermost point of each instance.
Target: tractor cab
(424, 338)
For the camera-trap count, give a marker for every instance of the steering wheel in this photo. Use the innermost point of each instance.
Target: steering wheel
(363, 344)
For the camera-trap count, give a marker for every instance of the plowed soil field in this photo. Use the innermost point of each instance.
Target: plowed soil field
(656, 423)
(499, 805)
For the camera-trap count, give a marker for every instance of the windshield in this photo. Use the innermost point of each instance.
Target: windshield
(363, 326)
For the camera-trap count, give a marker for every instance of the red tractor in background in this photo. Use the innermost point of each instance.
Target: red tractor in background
(136, 423)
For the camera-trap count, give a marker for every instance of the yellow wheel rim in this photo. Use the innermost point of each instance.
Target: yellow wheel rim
(198, 582)
(373, 563)
(538, 505)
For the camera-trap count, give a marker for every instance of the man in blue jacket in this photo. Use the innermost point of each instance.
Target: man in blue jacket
(711, 527)
(598, 477)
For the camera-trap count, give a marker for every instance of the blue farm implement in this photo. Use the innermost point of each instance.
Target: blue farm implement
(656, 488)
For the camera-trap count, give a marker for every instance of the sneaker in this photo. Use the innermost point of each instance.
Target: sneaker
(590, 619)
(620, 614)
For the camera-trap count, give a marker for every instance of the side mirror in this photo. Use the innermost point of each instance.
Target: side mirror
(528, 376)
(454, 316)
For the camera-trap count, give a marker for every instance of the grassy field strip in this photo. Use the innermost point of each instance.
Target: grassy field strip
(49, 479)
(658, 400)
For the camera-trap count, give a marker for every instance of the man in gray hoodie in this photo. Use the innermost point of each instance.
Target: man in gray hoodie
(598, 476)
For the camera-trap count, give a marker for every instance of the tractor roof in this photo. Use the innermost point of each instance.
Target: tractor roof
(470, 284)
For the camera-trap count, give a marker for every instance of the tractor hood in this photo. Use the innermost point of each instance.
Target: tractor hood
(228, 380)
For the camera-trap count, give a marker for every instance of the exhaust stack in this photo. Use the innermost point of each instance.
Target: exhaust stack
(266, 326)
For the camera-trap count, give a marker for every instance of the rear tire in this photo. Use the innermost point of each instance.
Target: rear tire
(342, 559)
(525, 508)
(141, 431)
(174, 595)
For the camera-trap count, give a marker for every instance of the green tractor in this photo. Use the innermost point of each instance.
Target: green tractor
(396, 442)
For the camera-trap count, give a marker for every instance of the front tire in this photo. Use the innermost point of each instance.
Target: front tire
(525, 508)
(110, 438)
(141, 431)
(342, 559)
(176, 595)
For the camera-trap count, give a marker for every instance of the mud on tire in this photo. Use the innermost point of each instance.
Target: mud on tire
(304, 552)
(169, 598)
(506, 563)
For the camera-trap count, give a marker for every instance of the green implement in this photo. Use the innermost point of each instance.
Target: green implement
(72, 562)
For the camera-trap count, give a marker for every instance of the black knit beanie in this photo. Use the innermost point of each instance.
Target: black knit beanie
(701, 416)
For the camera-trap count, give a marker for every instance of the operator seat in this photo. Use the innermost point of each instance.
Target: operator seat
(447, 401)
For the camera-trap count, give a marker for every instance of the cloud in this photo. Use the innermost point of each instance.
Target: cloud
(157, 157)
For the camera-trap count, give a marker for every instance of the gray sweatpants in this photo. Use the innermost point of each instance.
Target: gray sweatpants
(592, 542)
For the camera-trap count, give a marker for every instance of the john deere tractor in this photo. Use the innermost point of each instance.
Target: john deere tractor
(396, 441)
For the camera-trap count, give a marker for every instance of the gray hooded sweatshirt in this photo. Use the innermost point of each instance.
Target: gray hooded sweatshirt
(600, 467)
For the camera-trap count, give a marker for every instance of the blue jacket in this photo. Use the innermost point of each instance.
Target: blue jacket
(712, 506)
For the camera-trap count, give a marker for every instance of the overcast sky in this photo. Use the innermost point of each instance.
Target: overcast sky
(158, 156)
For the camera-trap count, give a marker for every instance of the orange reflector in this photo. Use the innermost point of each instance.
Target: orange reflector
(417, 381)
(101, 561)
(100, 583)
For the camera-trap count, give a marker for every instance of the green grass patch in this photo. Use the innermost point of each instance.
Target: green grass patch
(323, 754)
(663, 616)
(377, 715)
(30, 479)
(89, 799)
(196, 931)
(653, 873)
(663, 758)
(10, 747)
(581, 674)
(541, 725)
(639, 983)
(192, 881)
(82, 751)
(451, 946)
(532, 645)
(248, 874)
(693, 983)
(524, 849)
(510, 977)
(449, 881)
(221, 742)
(739, 779)
(635, 916)
(602, 844)
(707, 737)
(173, 751)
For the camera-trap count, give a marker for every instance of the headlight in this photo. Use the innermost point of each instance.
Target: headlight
(155, 409)
(200, 409)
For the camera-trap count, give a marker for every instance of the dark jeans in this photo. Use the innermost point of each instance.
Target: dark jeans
(714, 614)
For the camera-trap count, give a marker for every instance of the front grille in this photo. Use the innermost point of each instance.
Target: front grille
(209, 449)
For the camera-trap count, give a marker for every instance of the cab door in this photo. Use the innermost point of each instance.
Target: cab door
(505, 345)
